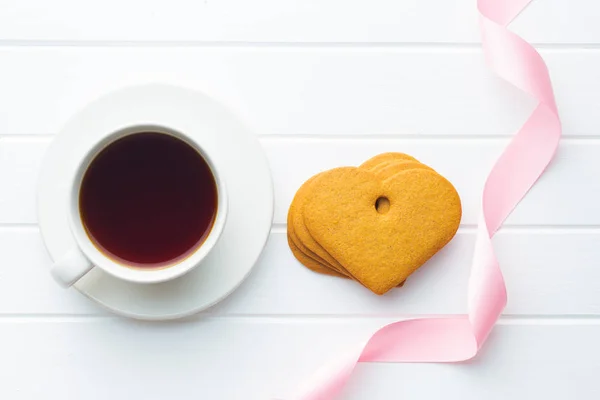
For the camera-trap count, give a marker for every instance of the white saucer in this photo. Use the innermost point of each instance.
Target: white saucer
(245, 172)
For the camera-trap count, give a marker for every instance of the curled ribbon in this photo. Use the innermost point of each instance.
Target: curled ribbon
(454, 339)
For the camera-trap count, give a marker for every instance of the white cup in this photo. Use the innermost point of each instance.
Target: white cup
(85, 255)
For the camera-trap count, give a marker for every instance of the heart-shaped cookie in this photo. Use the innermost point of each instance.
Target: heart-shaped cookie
(381, 248)
(301, 241)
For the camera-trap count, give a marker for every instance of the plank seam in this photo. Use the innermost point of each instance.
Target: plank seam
(440, 46)
(542, 320)
(300, 137)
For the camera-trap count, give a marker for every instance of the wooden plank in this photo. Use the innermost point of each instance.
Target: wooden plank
(407, 21)
(307, 91)
(324, 83)
(548, 272)
(568, 194)
(262, 359)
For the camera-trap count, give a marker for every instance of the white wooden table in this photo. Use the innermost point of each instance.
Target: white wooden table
(323, 83)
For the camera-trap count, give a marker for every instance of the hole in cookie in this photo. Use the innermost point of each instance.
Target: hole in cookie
(382, 205)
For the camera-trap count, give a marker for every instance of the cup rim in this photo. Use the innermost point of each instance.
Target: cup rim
(121, 270)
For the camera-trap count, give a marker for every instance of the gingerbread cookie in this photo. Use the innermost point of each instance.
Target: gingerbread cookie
(381, 249)
(376, 223)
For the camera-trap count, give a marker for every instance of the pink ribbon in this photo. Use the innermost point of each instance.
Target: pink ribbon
(454, 339)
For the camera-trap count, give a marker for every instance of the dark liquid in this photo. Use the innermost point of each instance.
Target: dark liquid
(148, 200)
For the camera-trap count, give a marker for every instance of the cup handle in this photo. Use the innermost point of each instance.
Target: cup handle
(70, 268)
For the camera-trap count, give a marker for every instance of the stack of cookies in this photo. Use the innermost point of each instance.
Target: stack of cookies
(376, 223)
